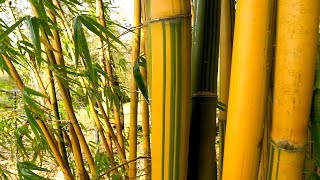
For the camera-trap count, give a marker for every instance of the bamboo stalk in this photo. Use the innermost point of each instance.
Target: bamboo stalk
(101, 132)
(52, 144)
(226, 41)
(145, 116)
(106, 60)
(248, 90)
(113, 136)
(297, 28)
(315, 115)
(134, 92)
(169, 42)
(204, 71)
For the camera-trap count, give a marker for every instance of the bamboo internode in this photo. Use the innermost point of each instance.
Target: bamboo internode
(248, 91)
(297, 36)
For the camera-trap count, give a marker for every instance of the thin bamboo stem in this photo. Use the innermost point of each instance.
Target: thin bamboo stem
(52, 144)
(145, 116)
(134, 92)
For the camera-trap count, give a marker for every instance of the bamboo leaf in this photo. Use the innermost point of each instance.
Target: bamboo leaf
(4, 34)
(221, 106)
(3, 65)
(31, 102)
(76, 25)
(140, 80)
(83, 46)
(34, 28)
(39, 6)
(143, 61)
(44, 24)
(25, 171)
(19, 141)
(103, 29)
(52, 8)
(33, 92)
(33, 124)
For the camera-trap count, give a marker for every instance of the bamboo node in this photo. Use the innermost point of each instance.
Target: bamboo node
(204, 93)
(286, 145)
(170, 18)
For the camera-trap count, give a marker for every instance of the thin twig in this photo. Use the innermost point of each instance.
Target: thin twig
(109, 171)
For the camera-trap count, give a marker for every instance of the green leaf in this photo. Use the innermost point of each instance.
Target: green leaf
(103, 29)
(33, 92)
(4, 34)
(39, 7)
(33, 124)
(76, 24)
(3, 66)
(52, 8)
(25, 171)
(20, 144)
(143, 61)
(34, 28)
(141, 83)
(221, 106)
(80, 40)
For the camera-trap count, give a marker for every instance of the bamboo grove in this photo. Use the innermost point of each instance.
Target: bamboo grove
(202, 90)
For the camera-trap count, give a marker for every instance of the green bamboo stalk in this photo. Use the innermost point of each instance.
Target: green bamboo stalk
(205, 54)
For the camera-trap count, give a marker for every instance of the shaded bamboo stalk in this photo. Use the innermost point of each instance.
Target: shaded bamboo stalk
(293, 86)
(315, 115)
(226, 42)
(204, 71)
(248, 90)
(169, 47)
(134, 92)
(145, 112)
(265, 151)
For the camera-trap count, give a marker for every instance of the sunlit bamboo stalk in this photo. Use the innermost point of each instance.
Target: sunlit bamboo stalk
(134, 92)
(248, 90)
(52, 143)
(169, 47)
(297, 28)
(113, 135)
(106, 61)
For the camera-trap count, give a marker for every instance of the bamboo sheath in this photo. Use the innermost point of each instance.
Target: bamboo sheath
(248, 91)
(169, 40)
(297, 36)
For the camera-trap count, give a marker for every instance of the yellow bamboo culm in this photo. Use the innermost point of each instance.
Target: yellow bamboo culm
(169, 49)
(297, 36)
(226, 38)
(134, 92)
(248, 91)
